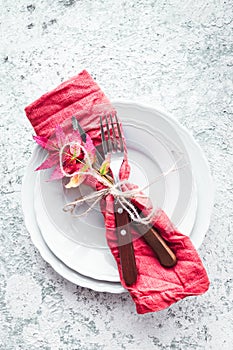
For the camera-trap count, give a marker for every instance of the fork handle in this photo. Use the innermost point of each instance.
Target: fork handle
(125, 245)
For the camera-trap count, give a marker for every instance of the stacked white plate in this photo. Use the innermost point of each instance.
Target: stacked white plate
(161, 153)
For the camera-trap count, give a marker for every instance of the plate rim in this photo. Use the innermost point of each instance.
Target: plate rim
(193, 144)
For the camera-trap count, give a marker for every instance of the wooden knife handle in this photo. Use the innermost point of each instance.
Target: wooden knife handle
(126, 250)
(163, 253)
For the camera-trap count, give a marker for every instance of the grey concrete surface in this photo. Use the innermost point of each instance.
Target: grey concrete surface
(175, 54)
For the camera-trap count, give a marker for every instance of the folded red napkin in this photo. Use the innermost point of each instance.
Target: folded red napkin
(156, 287)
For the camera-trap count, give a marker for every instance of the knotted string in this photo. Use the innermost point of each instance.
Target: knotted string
(111, 188)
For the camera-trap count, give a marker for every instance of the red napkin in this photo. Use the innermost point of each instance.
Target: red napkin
(156, 287)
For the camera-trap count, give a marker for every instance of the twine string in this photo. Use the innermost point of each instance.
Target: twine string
(111, 188)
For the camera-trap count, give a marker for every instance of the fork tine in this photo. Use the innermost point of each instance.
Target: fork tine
(109, 142)
(119, 134)
(113, 134)
(104, 143)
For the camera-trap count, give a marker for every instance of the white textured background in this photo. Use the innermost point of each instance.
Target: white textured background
(173, 53)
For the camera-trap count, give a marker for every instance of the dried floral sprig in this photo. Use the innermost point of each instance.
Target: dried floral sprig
(73, 157)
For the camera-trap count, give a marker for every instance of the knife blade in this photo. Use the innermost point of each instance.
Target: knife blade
(152, 237)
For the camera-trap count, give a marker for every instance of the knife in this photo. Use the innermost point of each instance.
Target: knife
(159, 246)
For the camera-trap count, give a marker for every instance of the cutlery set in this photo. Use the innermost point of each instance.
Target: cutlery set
(113, 149)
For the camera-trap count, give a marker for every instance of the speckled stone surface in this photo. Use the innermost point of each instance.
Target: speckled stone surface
(175, 54)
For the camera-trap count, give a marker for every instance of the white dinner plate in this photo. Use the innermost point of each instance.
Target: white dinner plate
(204, 186)
(153, 148)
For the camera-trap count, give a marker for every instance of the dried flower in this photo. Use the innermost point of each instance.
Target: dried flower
(73, 158)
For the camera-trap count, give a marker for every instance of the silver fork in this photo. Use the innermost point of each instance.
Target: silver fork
(113, 145)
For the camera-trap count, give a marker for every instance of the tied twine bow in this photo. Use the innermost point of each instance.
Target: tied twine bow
(111, 188)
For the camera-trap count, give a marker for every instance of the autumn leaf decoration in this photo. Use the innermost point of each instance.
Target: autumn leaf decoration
(74, 159)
